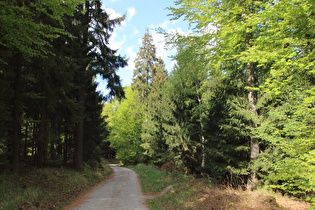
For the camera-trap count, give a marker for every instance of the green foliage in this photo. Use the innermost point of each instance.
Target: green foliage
(289, 135)
(125, 130)
(22, 30)
(149, 77)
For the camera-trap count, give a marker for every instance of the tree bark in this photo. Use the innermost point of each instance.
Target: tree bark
(16, 116)
(202, 137)
(254, 142)
(78, 153)
(65, 148)
(26, 138)
(79, 134)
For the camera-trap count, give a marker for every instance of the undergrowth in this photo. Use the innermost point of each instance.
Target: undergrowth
(193, 193)
(154, 180)
(47, 188)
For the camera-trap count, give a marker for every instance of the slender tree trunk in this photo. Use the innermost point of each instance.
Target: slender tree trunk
(254, 142)
(26, 138)
(252, 99)
(33, 138)
(65, 148)
(41, 149)
(16, 116)
(16, 137)
(79, 134)
(78, 153)
(202, 137)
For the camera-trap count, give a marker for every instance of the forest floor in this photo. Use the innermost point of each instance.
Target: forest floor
(46, 187)
(193, 193)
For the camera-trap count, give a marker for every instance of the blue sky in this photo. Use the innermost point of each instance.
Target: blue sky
(140, 16)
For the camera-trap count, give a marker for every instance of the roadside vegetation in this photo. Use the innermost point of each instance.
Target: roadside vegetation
(238, 104)
(189, 192)
(47, 188)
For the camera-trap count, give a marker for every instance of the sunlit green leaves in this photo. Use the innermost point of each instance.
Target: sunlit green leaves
(125, 135)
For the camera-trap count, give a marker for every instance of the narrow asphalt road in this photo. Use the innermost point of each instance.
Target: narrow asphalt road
(119, 193)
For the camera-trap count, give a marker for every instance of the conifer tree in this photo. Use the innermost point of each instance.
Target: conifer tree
(149, 77)
(185, 129)
(92, 28)
(153, 133)
(146, 64)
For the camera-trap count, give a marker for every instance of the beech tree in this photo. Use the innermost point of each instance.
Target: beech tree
(125, 128)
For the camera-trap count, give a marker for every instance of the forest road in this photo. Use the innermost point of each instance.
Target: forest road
(118, 193)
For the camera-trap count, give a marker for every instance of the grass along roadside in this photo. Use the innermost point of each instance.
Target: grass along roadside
(47, 188)
(154, 181)
(191, 193)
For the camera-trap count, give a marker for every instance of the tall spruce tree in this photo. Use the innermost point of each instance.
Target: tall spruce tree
(91, 29)
(149, 77)
(153, 132)
(184, 126)
(146, 64)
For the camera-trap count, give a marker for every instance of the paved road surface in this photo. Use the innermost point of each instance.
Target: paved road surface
(122, 192)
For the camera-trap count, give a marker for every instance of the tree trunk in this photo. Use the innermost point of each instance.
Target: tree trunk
(252, 99)
(202, 137)
(16, 116)
(254, 143)
(26, 138)
(65, 148)
(33, 138)
(78, 153)
(41, 147)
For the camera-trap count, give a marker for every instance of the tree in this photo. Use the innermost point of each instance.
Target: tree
(183, 106)
(126, 127)
(93, 56)
(153, 132)
(261, 48)
(146, 65)
(149, 77)
(226, 28)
